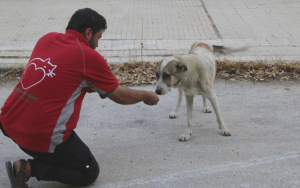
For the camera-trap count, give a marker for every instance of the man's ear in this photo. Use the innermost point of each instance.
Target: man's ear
(88, 33)
(181, 67)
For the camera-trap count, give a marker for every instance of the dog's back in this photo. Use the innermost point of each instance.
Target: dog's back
(200, 46)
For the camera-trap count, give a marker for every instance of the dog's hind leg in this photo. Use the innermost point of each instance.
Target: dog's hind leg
(188, 132)
(174, 113)
(205, 106)
(222, 126)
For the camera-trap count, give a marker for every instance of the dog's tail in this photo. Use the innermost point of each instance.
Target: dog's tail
(229, 49)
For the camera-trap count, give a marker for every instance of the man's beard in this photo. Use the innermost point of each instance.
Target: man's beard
(91, 43)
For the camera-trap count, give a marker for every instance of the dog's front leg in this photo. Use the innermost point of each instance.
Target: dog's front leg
(205, 106)
(222, 126)
(189, 105)
(174, 113)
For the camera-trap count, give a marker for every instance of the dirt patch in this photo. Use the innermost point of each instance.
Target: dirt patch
(143, 73)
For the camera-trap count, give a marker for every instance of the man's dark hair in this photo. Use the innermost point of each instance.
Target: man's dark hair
(87, 18)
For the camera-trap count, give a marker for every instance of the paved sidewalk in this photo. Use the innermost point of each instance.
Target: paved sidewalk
(165, 27)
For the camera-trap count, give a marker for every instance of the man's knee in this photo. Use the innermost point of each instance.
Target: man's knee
(92, 173)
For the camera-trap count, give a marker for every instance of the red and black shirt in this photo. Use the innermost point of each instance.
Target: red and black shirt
(45, 105)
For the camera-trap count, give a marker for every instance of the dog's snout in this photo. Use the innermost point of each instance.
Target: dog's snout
(158, 91)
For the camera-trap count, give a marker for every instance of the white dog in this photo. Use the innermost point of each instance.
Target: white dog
(193, 74)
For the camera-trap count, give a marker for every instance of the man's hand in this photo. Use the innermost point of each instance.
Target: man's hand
(151, 99)
(91, 90)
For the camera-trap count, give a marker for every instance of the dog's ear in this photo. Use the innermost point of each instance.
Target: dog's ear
(181, 67)
(159, 62)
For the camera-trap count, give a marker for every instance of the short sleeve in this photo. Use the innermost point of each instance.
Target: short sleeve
(98, 73)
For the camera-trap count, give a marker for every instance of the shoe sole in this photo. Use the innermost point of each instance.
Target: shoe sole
(10, 174)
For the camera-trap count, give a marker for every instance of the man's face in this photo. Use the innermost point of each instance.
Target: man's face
(93, 41)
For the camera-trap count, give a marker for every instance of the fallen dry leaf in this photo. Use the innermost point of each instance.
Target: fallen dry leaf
(142, 73)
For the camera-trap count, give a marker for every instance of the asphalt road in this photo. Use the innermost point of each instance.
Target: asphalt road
(137, 145)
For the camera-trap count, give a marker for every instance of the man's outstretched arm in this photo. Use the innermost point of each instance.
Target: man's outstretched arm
(123, 95)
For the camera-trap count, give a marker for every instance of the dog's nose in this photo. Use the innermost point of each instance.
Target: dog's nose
(158, 91)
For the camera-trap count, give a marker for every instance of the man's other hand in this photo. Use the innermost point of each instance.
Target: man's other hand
(91, 90)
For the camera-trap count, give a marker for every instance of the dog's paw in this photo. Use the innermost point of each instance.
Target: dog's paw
(207, 110)
(226, 132)
(186, 136)
(173, 115)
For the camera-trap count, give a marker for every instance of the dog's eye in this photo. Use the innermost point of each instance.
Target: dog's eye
(166, 76)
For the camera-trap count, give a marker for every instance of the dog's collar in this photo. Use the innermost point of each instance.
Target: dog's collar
(177, 82)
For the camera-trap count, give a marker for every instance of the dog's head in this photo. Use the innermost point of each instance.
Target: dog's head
(169, 74)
